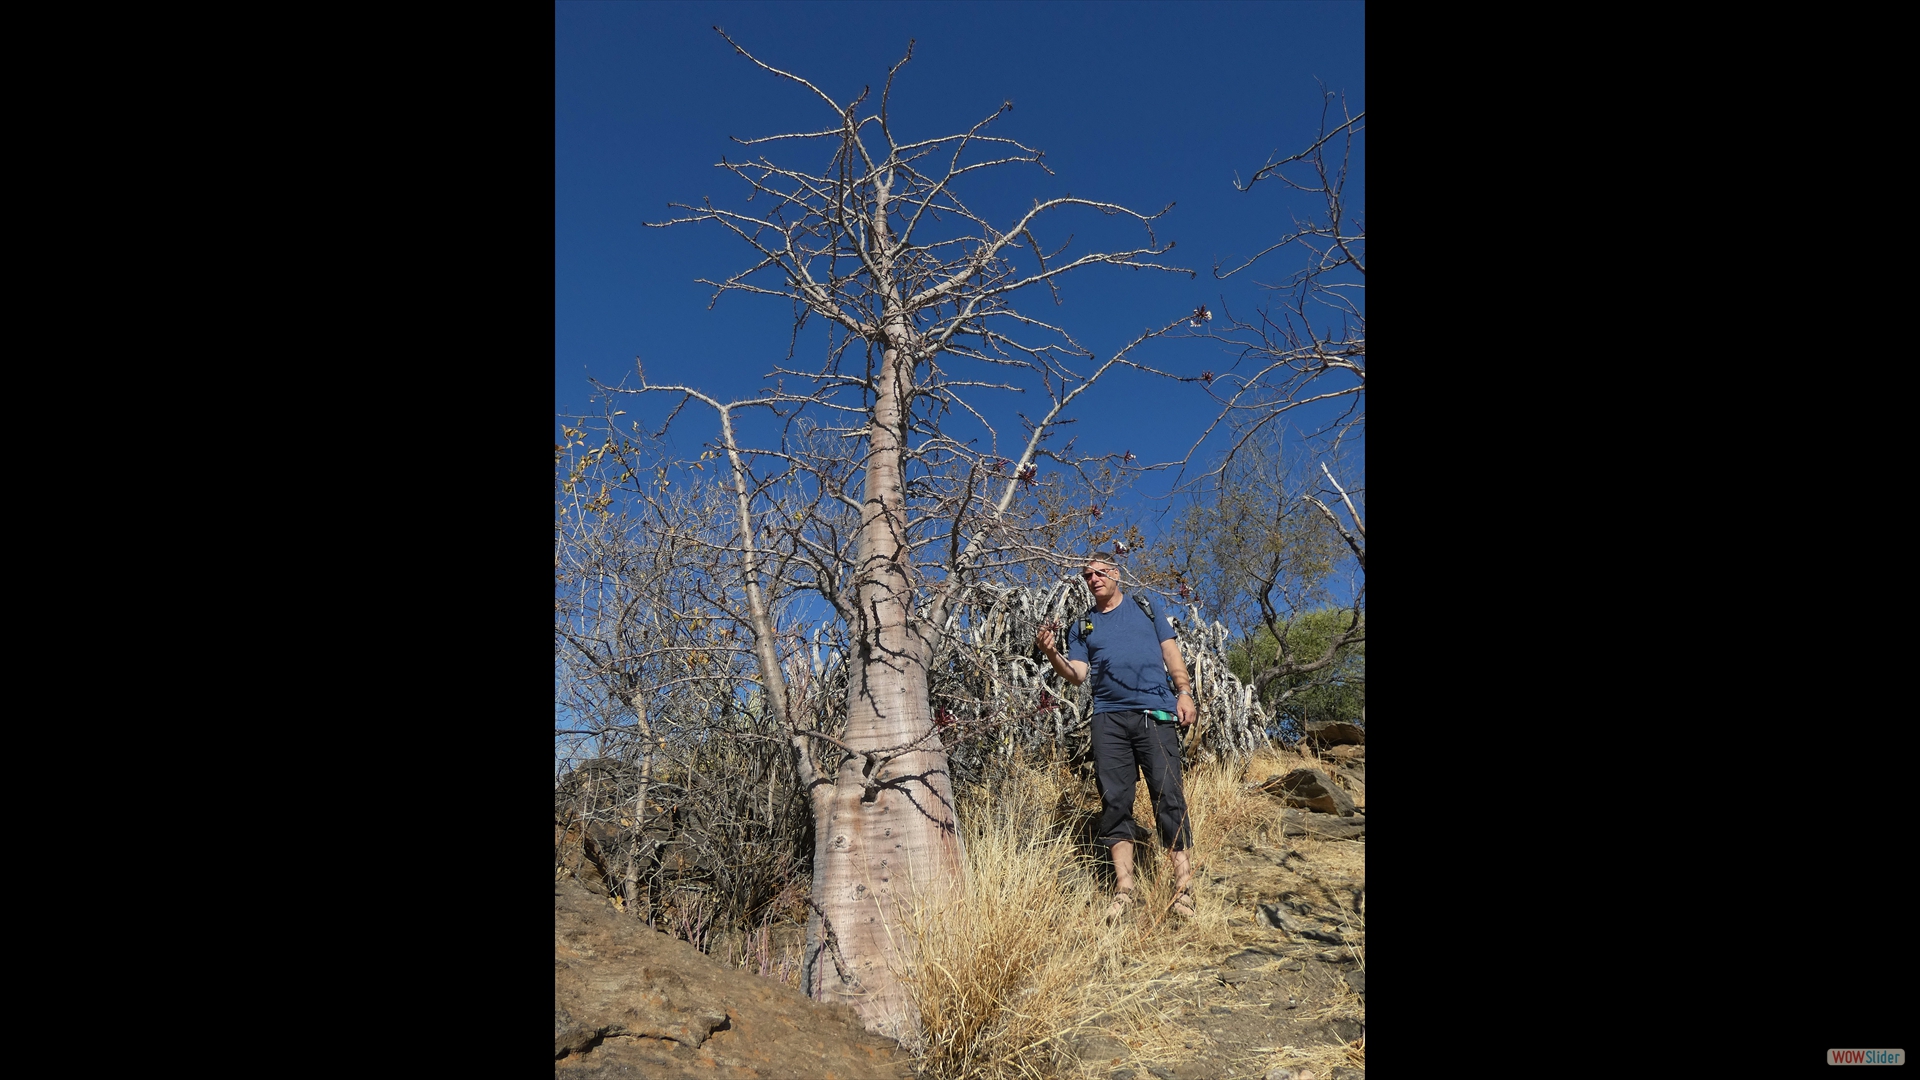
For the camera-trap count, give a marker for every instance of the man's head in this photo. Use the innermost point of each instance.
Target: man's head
(1102, 575)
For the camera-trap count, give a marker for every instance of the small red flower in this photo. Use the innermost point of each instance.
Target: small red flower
(1207, 377)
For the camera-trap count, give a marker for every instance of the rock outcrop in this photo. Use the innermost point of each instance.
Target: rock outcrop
(631, 1002)
(1310, 789)
(1323, 734)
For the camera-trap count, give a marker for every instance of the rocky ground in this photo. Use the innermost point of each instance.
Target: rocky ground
(630, 1002)
(1282, 996)
(1288, 995)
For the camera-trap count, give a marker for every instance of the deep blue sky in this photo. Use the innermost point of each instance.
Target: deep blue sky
(1138, 103)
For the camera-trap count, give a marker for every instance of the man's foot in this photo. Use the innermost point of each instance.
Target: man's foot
(1182, 885)
(1122, 900)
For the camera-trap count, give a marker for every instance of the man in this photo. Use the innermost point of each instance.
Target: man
(1130, 656)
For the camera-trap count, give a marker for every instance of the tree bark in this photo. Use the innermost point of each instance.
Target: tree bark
(888, 839)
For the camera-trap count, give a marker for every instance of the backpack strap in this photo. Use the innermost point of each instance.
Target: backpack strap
(1146, 605)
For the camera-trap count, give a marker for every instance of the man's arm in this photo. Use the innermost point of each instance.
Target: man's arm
(1182, 682)
(1074, 671)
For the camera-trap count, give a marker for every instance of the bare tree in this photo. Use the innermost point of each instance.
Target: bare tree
(669, 785)
(1303, 355)
(900, 496)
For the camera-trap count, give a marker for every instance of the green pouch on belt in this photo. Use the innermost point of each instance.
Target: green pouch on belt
(1161, 716)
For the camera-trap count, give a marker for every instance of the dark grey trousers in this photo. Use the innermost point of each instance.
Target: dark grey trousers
(1126, 744)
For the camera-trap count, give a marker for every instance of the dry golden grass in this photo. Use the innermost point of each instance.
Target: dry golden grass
(1012, 977)
(1322, 1059)
(1331, 861)
(990, 968)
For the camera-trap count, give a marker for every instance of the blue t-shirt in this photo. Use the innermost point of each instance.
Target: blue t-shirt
(1122, 654)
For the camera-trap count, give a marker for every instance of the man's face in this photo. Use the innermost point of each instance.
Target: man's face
(1099, 578)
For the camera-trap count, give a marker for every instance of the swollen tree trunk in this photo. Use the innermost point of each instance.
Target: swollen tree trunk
(885, 835)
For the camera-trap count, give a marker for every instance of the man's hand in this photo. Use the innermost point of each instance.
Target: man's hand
(1043, 640)
(1189, 712)
(1073, 671)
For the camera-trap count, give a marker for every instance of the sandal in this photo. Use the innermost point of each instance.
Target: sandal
(1182, 902)
(1121, 902)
